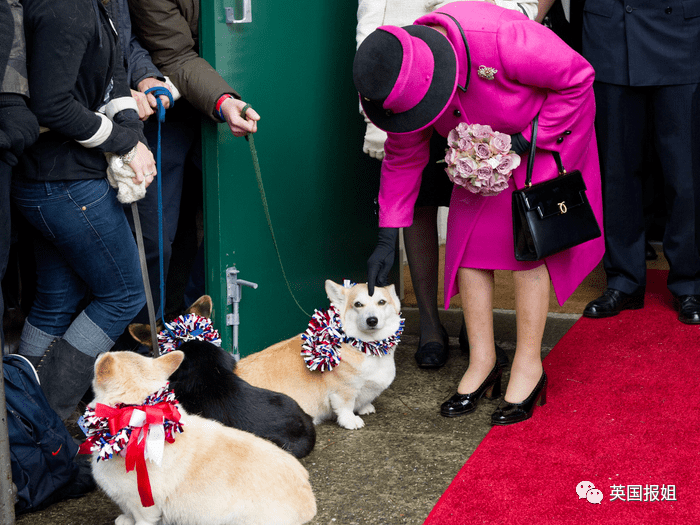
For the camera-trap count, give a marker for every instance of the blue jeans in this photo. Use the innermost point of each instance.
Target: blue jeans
(85, 245)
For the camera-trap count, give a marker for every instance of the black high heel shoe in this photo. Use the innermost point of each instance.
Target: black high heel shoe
(460, 404)
(433, 354)
(509, 413)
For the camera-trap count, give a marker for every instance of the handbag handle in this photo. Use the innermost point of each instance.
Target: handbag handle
(531, 157)
(533, 148)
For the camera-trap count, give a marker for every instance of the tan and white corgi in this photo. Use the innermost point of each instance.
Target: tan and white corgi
(341, 363)
(209, 474)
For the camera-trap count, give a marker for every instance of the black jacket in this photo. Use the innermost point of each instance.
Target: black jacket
(643, 42)
(136, 59)
(75, 69)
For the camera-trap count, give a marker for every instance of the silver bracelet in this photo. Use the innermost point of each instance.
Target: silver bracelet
(128, 156)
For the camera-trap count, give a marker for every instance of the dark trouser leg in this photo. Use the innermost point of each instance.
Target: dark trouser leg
(696, 163)
(196, 285)
(674, 122)
(621, 125)
(177, 138)
(5, 176)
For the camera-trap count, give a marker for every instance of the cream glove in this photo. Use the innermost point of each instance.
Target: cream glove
(374, 142)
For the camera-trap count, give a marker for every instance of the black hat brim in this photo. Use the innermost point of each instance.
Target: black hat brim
(434, 103)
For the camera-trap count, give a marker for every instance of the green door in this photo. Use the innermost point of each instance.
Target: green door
(293, 63)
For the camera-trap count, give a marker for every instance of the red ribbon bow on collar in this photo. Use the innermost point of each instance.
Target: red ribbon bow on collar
(119, 418)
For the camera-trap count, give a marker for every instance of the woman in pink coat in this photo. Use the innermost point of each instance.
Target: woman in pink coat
(477, 63)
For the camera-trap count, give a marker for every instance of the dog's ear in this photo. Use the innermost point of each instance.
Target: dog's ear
(104, 368)
(141, 332)
(394, 297)
(335, 293)
(170, 361)
(202, 307)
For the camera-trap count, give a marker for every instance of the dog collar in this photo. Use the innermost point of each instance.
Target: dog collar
(99, 424)
(325, 334)
(185, 328)
(136, 432)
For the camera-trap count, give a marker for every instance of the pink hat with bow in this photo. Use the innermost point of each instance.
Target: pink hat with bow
(406, 76)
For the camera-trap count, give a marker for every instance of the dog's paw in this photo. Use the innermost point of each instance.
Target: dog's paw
(367, 409)
(124, 520)
(351, 422)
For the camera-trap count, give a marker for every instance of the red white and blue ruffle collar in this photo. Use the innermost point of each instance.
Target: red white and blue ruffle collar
(185, 328)
(322, 340)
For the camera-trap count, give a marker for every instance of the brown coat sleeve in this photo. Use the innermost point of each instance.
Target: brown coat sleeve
(168, 29)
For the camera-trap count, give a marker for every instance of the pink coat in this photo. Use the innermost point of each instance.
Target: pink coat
(536, 72)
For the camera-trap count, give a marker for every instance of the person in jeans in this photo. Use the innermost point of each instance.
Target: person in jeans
(85, 252)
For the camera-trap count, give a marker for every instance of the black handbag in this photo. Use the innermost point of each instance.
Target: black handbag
(551, 216)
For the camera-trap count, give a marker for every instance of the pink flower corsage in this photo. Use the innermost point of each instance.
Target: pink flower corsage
(480, 159)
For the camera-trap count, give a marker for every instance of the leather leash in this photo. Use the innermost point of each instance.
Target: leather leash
(146, 280)
(258, 175)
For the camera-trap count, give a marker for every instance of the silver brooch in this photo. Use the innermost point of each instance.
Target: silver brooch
(487, 72)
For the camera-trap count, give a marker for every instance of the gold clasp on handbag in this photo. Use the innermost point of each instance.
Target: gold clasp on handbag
(562, 207)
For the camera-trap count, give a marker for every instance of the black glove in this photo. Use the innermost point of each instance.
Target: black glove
(4, 140)
(18, 127)
(519, 144)
(6, 154)
(382, 259)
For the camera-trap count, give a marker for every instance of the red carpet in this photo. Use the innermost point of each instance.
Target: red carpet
(622, 412)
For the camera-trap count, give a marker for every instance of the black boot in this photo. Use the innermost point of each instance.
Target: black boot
(65, 374)
(33, 359)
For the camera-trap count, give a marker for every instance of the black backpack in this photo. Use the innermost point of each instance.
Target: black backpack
(41, 448)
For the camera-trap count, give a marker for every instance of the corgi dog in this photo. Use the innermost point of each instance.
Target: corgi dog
(205, 384)
(209, 474)
(339, 366)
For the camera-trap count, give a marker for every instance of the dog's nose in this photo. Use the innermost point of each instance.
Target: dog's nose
(372, 321)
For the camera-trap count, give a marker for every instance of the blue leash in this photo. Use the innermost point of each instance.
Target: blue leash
(160, 113)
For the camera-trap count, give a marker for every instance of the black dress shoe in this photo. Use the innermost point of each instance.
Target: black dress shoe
(460, 404)
(433, 354)
(688, 307)
(509, 413)
(649, 252)
(464, 347)
(612, 302)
